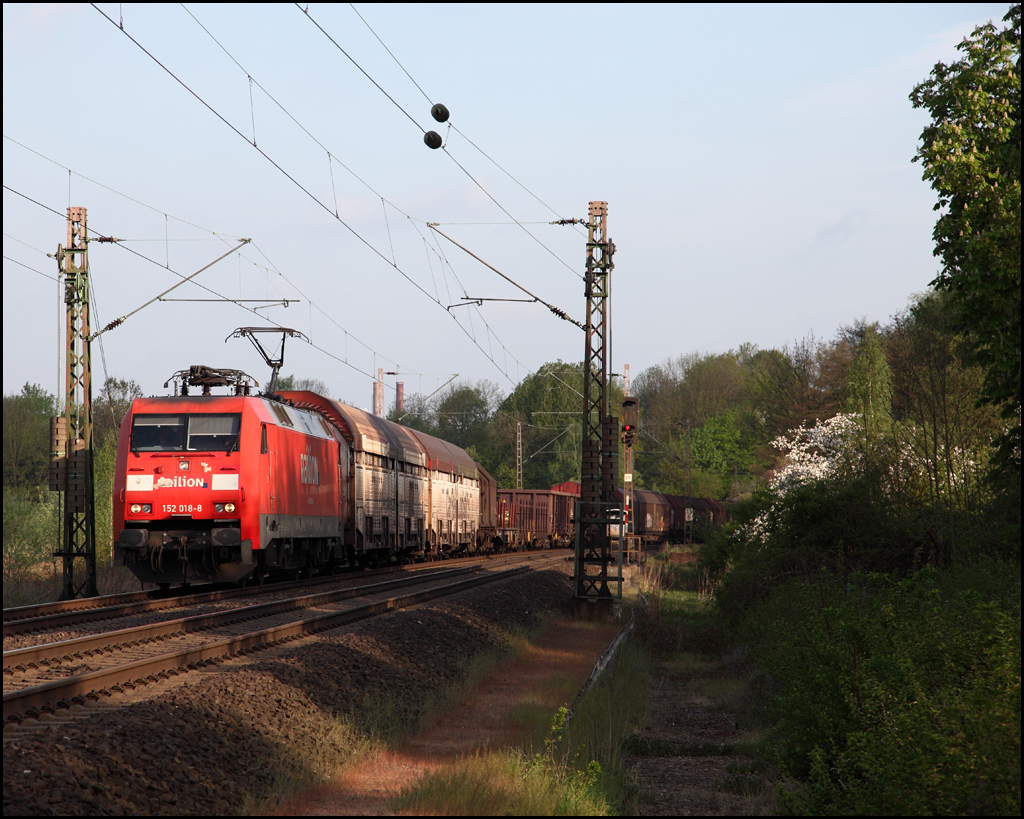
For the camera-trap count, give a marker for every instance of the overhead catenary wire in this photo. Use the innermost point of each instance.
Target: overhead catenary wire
(445, 262)
(238, 302)
(294, 181)
(40, 272)
(330, 156)
(487, 193)
(549, 443)
(219, 235)
(510, 216)
(203, 287)
(118, 321)
(119, 193)
(388, 50)
(487, 156)
(560, 313)
(305, 11)
(252, 80)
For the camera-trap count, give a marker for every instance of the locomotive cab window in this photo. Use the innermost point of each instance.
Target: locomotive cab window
(194, 433)
(158, 433)
(208, 433)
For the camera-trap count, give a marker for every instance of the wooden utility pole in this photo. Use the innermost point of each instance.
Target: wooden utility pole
(71, 455)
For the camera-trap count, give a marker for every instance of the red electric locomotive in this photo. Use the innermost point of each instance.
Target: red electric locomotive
(222, 487)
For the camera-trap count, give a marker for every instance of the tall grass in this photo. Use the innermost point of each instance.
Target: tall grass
(379, 721)
(604, 717)
(505, 784)
(31, 531)
(577, 772)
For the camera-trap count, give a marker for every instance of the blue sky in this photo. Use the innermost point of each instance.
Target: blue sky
(756, 162)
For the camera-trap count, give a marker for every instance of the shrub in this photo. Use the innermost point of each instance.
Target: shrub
(895, 696)
(838, 526)
(30, 538)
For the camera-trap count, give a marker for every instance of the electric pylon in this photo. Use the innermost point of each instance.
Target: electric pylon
(71, 464)
(599, 474)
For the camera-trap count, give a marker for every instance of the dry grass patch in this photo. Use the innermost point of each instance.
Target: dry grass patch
(503, 784)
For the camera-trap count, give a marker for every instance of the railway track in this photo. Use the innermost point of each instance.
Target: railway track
(41, 679)
(60, 616)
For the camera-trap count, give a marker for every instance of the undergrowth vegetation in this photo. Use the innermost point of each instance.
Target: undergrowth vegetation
(578, 770)
(896, 695)
(889, 661)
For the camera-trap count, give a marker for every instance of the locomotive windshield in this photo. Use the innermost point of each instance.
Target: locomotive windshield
(191, 433)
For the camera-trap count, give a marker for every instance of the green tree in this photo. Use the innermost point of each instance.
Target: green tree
(941, 434)
(817, 379)
(549, 406)
(31, 533)
(293, 382)
(970, 153)
(110, 407)
(869, 384)
(27, 436)
(691, 387)
(463, 411)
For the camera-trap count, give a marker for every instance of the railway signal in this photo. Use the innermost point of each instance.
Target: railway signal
(630, 419)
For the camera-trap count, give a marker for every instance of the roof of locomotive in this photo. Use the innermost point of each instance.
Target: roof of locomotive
(266, 409)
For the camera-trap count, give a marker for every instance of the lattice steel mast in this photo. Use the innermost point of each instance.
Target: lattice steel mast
(71, 469)
(594, 570)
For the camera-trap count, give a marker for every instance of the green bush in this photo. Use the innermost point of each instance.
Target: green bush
(30, 538)
(895, 696)
(838, 526)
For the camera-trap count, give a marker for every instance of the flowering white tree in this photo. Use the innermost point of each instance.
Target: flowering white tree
(818, 452)
(827, 449)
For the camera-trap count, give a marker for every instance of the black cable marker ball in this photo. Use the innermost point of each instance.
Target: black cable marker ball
(432, 139)
(439, 112)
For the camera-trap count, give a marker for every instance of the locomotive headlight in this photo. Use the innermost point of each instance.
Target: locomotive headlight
(135, 508)
(218, 507)
(229, 507)
(147, 508)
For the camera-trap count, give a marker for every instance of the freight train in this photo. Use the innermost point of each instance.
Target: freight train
(227, 487)
(654, 518)
(235, 487)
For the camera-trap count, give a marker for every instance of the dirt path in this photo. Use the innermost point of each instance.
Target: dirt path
(690, 759)
(546, 675)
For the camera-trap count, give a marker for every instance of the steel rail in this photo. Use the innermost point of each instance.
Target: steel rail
(47, 697)
(65, 612)
(79, 647)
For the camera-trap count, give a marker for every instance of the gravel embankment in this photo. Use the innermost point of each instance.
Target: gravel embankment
(211, 743)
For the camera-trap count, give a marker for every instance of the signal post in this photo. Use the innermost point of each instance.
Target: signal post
(630, 425)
